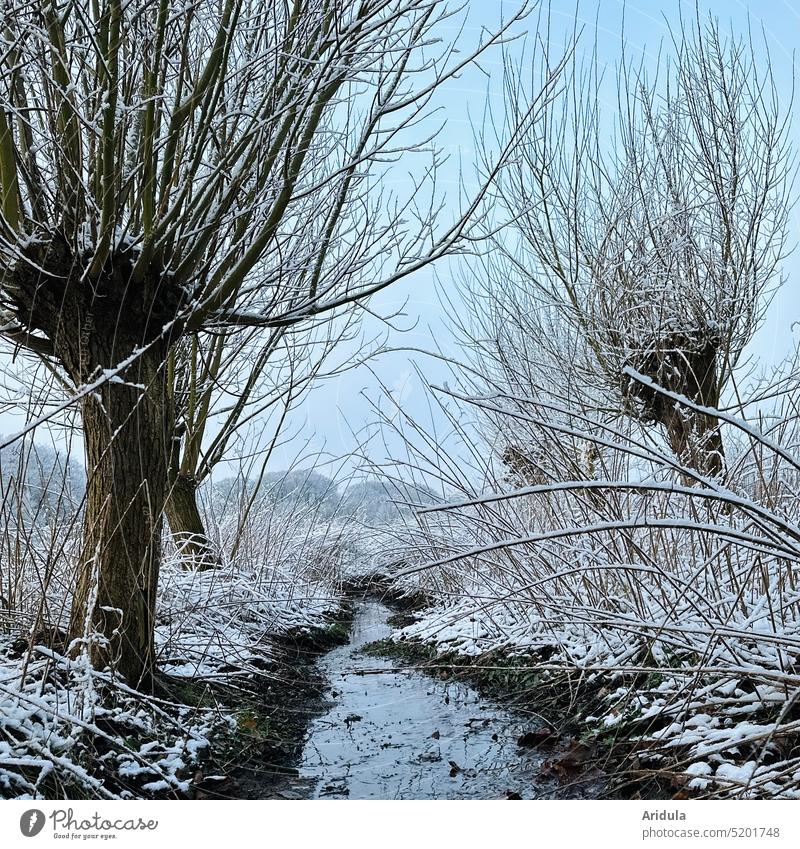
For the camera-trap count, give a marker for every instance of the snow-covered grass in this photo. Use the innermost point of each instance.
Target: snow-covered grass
(285, 578)
(710, 684)
(222, 619)
(68, 730)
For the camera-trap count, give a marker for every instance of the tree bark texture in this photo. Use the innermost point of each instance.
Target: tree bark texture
(685, 363)
(94, 325)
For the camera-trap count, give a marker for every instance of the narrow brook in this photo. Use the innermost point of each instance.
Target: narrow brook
(390, 733)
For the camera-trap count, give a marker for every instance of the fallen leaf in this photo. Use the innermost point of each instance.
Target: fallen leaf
(536, 738)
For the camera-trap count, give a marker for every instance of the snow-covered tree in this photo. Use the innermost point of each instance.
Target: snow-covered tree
(46, 483)
(157, 161)
(646, 244)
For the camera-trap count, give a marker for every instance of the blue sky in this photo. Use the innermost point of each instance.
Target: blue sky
(341, 407)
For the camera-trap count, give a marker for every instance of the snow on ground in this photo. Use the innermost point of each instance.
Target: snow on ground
(701, 666)
(66, 729)
(222, 618)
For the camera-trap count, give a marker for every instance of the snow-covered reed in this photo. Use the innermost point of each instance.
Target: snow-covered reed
(672, 597)
(66, 729)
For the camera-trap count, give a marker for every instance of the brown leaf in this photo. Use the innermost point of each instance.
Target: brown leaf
(571, 762)
(536, 738)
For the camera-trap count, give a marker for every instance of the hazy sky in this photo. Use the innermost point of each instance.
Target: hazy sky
(341, 406)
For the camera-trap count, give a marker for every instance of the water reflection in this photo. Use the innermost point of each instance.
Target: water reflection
(395, 734)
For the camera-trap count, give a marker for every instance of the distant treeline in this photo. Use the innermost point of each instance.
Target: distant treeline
(39, 482)
(47, 485)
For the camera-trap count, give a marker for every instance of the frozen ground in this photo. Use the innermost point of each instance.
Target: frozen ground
(714, 702)
(68, 730)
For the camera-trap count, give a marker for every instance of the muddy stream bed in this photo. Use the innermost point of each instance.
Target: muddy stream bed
(396, 733)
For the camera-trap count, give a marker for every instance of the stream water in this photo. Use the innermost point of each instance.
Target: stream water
(394, 733)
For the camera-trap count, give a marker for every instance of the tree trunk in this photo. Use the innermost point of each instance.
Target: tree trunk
(686, 363)
(126, 437)
(696, 440)
(95, 325)
(186, 524)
